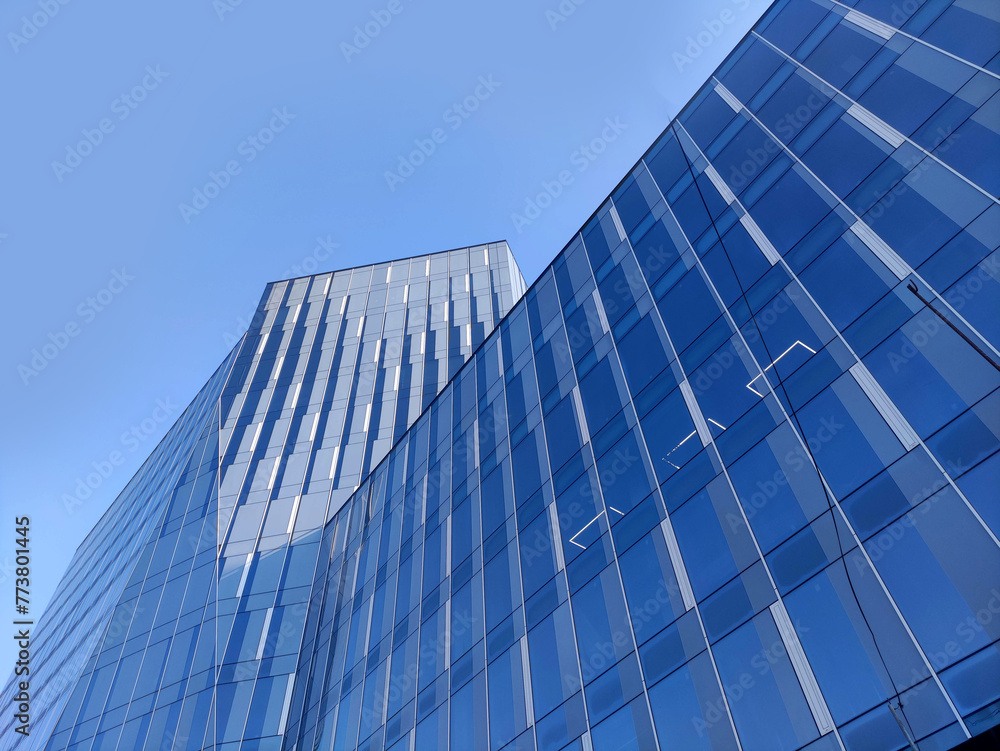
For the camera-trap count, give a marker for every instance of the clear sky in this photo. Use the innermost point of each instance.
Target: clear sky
(307, 115)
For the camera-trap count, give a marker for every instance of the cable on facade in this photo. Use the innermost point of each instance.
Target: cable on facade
(793, 415)
(912, 286)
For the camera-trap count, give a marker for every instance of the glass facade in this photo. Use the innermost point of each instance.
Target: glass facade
(216, 535)
(724, 477)
(85, 609)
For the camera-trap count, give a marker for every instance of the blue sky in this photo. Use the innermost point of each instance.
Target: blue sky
(338, 134)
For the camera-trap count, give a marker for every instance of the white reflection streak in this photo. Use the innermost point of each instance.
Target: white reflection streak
(750, 385)
(689, 437)
(584, 527)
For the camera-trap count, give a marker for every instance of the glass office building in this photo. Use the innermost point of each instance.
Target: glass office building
(332, 371)
(725, 477)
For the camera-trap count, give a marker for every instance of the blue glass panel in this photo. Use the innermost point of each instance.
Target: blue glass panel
(765, 697)
(842, 54)
(506, 705)
(968, 32)
(689, 709)
(755, 66)
(651, 589)
(629, 729)
(782, 227)
(838, 644)
(642, 355)
(778, 487)
(789, 27)
(846, 136)
(919, 562)
(845, 265)
(848, 438)
(713, 537)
